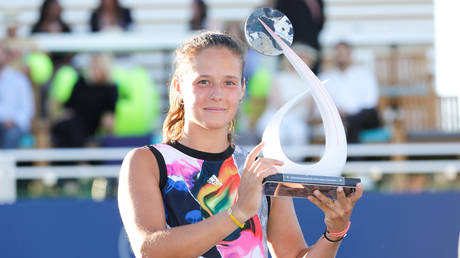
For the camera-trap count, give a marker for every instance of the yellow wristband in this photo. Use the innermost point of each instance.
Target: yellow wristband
(229, 211)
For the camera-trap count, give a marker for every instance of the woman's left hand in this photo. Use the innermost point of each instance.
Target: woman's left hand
(337, 213)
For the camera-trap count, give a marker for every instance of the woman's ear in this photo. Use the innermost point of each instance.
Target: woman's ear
(176, 85)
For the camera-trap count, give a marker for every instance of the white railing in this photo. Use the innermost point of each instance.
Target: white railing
(10, 172)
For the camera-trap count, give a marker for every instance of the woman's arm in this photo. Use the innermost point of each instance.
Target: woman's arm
(283, 231)
(142, 211)
(285, 235)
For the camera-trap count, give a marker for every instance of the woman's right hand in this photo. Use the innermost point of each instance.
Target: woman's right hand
(250, 188)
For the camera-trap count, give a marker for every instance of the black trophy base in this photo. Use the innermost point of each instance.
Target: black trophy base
(301, 186)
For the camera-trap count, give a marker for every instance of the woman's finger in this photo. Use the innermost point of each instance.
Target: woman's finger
(273, 162)
(253, 154)
(325, 208)
(343, 203)
(341, 198)
(264, 163)
(323, 198)
(266, 172)
(357, 194)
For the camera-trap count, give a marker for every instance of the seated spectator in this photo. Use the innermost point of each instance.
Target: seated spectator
(287, 85)
(16, 104)
(110, 15)
(83, 106)
(199, 13)
(308, 19)
(16, 46)
(50, 20)
(355, 92)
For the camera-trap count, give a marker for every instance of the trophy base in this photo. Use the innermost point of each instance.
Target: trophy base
(301, 186)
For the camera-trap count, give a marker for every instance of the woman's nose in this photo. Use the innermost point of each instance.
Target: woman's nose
(216, 92)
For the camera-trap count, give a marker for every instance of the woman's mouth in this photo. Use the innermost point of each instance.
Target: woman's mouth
(215, 109)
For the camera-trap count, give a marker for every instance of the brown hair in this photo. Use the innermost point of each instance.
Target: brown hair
(173, 126)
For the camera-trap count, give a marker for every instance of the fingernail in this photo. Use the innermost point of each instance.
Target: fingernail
(340, 189)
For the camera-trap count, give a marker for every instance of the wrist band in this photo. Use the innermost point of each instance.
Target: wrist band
(341, 233)
(333, 241)
(229, 212)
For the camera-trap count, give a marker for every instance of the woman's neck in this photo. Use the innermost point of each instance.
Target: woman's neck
(202, 139)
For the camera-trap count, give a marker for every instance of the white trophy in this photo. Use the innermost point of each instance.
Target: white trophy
(270, 32)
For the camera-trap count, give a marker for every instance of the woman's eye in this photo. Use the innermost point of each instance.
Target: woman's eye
(203, 82)
(230, 83)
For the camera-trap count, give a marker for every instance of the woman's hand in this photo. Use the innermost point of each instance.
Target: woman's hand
(337, 213)
(250, 189)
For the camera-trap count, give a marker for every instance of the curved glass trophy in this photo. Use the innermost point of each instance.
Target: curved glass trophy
(270, 32)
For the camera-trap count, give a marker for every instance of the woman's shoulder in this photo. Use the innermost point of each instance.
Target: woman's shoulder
(140, 155)
(142, 162)
(144, 153)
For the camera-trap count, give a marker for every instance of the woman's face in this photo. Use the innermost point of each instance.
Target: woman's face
(108, 4)
(211, 88)
(54, 10)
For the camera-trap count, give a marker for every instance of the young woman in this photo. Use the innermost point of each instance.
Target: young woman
(110, 15)
(197, 194)
(50, 20)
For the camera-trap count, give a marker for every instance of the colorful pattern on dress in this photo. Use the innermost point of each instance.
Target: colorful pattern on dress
(197, 189)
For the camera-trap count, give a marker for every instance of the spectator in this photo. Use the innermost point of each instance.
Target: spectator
(287, 85)
(307, 18)
(89, 107)
(16, 104)
(50, 20)
(354, 91)
(199, 13)
(110, 15)
(17, 47)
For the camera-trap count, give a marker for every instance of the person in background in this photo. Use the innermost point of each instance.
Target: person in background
(16, 104)
(17, 47)
(50, 20)
(89, 107)
(355, 92)
(110, 15)
(307, 18)
(199, 13)
(199, 195)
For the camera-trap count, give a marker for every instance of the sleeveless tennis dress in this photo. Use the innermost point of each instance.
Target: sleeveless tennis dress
(196, 185)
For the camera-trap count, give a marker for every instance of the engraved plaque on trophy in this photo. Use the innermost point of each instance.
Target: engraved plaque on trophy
(270, 32)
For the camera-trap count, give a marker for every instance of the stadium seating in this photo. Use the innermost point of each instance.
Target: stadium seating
(373, 27)
(368, 22)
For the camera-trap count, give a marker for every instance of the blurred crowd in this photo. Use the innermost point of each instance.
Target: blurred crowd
(48, 101)
(76, 104)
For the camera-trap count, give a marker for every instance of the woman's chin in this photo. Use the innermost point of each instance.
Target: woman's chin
(213, 125)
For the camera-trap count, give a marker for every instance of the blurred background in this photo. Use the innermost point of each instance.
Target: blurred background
(83, 82)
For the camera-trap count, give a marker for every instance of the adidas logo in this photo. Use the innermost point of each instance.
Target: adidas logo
(214, 181)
